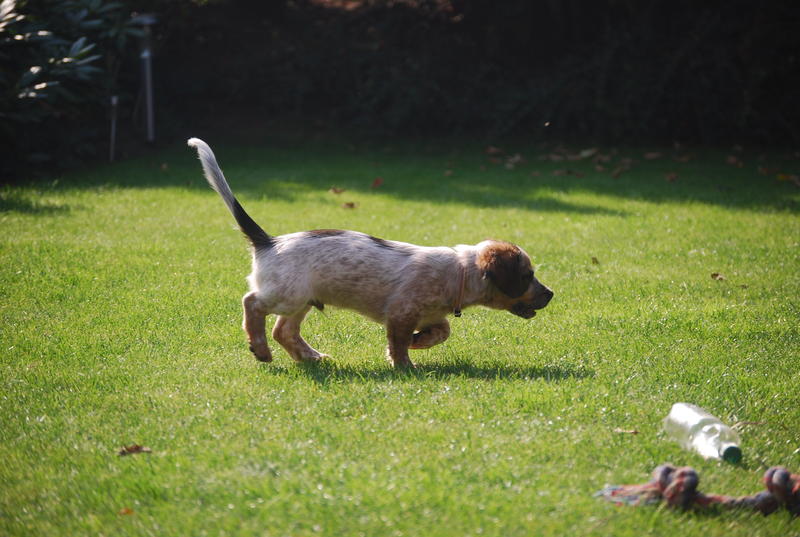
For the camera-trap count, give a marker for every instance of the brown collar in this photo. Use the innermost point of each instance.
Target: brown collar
(462, 280)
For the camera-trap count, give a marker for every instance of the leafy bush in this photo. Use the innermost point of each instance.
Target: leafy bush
(54, 84)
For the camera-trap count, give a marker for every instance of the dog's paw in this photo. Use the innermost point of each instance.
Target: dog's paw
(261, 356)
(310, 358)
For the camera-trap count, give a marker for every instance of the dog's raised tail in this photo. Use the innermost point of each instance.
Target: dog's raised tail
(258, 237)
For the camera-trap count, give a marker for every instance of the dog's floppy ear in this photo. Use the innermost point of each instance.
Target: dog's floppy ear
(501, 263)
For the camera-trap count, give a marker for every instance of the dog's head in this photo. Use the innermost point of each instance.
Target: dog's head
(510, 271)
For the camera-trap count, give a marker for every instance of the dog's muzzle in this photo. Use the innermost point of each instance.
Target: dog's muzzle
(527, 310)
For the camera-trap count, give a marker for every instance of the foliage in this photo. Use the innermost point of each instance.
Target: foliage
(660, 69)
(53, 82)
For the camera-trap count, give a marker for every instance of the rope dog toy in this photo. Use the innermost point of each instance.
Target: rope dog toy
(677, 487)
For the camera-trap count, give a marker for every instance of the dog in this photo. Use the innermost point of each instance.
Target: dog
(409, 289)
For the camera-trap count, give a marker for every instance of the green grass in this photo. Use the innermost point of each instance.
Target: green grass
(120, 324)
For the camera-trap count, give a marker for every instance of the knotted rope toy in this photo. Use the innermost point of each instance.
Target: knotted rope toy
(677, 488)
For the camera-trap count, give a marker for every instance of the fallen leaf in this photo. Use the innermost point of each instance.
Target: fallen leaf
(619, 171)
(492, 150)
(164, 167)
(599, 157)
(671, 177)
(336, 190)
(513, 160)
(682, 158)
(589, 152)
(599, 168)
(717, 276)
(625, 431)
(555, 157)
(349, 205)
(133, 449)
(652, 155)
(595, 261)
(125, 511)
(733, 160)
(787, 177)
(378, 181)
(448, 173)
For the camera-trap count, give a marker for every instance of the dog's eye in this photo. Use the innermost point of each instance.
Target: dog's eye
(528, 275)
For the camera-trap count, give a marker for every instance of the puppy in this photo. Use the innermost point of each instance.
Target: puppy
(409, 289)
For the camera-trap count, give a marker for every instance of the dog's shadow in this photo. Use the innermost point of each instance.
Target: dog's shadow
(328, 371)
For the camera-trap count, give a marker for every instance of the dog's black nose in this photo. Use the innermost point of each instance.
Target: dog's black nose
(543, 297)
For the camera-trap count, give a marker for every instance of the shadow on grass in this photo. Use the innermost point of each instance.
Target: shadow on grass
(15, 203)
(327, 372)
(279, 170)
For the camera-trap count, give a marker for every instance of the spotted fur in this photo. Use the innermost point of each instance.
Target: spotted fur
(409, 289)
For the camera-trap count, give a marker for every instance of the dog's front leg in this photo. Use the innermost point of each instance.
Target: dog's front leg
(400, 332)
(430, 335)
(255, 326)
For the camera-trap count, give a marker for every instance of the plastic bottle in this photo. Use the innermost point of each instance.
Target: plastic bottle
(695, 429)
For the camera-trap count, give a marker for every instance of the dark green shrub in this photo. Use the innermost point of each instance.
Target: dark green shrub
(60, 60)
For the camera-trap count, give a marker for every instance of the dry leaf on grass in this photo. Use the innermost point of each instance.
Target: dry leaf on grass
(133, 449)
(448, 173)
(653, 155)
(349, 205)
(625, 431)
(733, 160)
(335, 190)
(619, 171)
(671, 177)
(513, 160)
(788, 177)
(492, 150)
(717, 276)
(595, 261)
(125, 511)
(378, 181)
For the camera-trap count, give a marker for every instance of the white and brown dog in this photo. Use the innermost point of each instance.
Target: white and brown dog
(409, 289)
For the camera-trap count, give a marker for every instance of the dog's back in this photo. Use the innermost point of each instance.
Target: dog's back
(348, 269)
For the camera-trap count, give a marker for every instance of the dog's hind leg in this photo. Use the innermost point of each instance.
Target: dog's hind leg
(255, 325)
(287, 333)
(430, 335)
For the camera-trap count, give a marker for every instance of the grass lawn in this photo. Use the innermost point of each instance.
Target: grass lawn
(120, 324)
